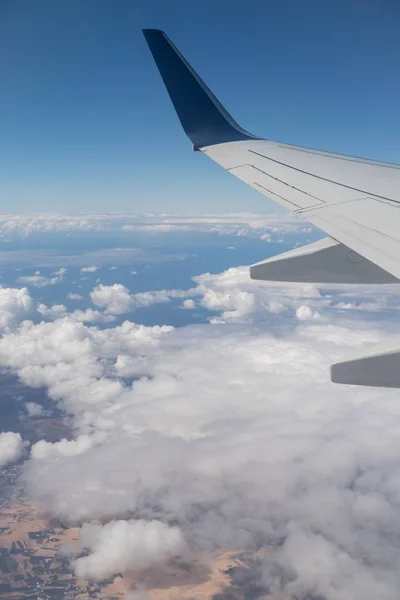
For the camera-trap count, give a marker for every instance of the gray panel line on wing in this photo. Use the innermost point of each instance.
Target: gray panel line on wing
(274, 194)
(238, 166)
(278, 196)
(349, 187)
(341, 202)
(364, 161)
(293, 187)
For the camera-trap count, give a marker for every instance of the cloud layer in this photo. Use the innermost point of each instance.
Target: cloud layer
(229, 432)
(266, 226)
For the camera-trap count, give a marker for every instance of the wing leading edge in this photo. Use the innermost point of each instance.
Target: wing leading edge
(355, 201)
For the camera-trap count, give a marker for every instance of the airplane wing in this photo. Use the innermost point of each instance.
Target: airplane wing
(354, 200)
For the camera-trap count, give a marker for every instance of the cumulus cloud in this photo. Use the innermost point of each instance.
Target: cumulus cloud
(305, 312)
(132, 545)
(24, 306)
(38, 280)
(92, 269)
(91, 316)
(188, 304)
(11, 447)
(232, 305)
(115, 299)
(34, 409)
(231, 431)
(52, 312)
(72, 296)
(64, 447)
(144, 299)
(73, 360)
(15, 305)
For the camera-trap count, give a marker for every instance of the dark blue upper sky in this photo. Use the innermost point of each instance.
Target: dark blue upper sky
(88, 126)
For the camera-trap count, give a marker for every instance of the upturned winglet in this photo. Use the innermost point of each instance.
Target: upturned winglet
(204, 119)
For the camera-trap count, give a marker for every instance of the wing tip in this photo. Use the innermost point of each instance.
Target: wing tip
(204, 119)
(148, 31)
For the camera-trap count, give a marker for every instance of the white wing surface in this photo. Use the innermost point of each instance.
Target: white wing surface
(354, 200)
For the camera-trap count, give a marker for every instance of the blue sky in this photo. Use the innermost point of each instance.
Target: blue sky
(87, 125)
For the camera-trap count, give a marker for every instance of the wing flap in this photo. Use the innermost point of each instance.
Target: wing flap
(291, 196)
(378, 369)
(325, 261)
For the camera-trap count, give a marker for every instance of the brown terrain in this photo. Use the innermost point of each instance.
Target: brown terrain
(33, 566)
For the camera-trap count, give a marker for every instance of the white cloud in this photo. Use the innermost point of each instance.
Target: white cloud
(38, 280)
(145, 299)
(304, 312)
(126, 545)
(72, 296)
(91, 316)
(34, 409)
(92, 269)
(233, 304)
(232, 432)
(24, 225)
(15, 305)
(268, 227)
(247, 427)
(115, 299)
(188, 304)
(11, 447)
(52, 312)
(61, 271)
(43, 449)
(71, 359)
